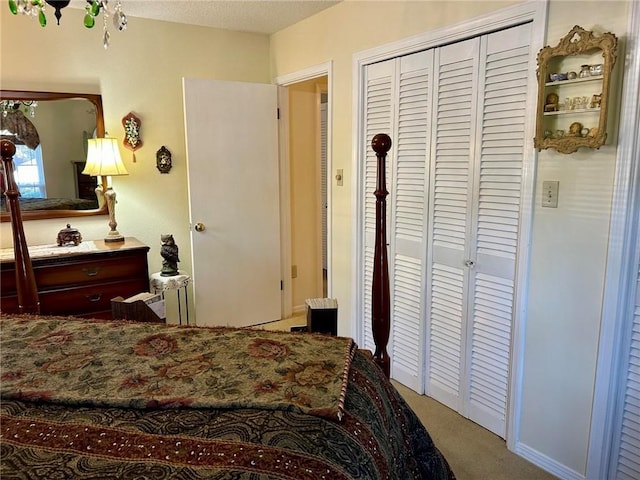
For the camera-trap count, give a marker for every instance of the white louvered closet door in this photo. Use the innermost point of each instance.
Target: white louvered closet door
(477, 160)
(378, 110)
(398, 104)
(499, 159)
(450, 219)
(408, 203)
(627, 444)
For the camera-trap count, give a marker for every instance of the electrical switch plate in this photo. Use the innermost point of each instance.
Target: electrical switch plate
(339, 177)
(550, 193)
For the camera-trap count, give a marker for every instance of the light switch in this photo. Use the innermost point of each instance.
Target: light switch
(550, 193)
(339, 177)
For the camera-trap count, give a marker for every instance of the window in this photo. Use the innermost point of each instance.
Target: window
(28, 169)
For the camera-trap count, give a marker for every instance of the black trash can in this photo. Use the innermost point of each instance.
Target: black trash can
(322, 315)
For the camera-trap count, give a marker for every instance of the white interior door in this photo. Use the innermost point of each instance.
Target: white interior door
(232, 162)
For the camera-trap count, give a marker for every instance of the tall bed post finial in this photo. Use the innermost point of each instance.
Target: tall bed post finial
(380, 311)
(25, 280)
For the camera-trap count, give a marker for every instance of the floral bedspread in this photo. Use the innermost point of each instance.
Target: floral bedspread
(145, 365)
(268, 408)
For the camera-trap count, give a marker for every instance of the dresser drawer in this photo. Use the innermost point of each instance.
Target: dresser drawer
(93, 298)
(82, 283)
(73, 272)
(94, 271)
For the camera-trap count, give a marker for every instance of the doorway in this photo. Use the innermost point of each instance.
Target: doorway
(308, 186)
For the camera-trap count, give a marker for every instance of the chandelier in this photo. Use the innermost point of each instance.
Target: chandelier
(36, 8)
(27, 106)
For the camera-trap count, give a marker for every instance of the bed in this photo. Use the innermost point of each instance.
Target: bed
(117, 399)
(27, 204)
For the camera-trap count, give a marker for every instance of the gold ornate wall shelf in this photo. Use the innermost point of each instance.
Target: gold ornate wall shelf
(573, 91)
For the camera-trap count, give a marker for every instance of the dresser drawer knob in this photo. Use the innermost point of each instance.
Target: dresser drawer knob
(95, 297)
(91, 272)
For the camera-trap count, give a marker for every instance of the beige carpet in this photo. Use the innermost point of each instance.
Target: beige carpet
(473, 452)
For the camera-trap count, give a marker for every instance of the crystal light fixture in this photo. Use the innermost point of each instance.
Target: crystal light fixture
(27, 106)
(36, 8)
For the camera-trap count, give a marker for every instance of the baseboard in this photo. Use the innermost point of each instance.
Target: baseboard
(548, 464)
(298, 309)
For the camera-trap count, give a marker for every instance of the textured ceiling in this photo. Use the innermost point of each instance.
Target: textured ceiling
(261, 16)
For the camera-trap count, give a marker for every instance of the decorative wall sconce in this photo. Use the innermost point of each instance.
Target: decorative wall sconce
(132, 140)
(163, 160)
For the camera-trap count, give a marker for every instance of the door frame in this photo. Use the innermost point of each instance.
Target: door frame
(624, 235)
(321, 70)
(536, 13)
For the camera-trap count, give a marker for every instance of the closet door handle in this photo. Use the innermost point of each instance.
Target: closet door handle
(470, 263)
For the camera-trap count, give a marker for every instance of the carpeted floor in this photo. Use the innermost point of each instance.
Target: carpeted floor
(473, 452)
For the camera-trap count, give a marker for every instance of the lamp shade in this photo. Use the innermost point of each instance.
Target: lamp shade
(103, 158)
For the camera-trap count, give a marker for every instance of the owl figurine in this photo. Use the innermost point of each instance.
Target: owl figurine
(169, 253)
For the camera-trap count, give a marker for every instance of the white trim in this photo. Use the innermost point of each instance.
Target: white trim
(308, 73)
(547, 463)
(285, 202)
(620, 264)
(357, 207)
(514, 400)
(320, 70)
(534, 11)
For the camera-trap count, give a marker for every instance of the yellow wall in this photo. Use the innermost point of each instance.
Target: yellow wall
(62, 145)
(142, 72)
(304, 104)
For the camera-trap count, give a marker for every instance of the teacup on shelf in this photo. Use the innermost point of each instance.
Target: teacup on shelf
(557, 77)
(595, 69)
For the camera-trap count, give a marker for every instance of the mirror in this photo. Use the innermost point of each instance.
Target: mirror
(64, 122)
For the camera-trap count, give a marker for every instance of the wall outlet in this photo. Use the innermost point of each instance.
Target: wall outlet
(294, 271)
(550, 193)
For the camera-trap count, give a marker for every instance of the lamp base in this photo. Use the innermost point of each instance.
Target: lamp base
(113, 237)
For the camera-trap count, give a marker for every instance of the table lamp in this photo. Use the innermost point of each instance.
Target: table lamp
(103, 159)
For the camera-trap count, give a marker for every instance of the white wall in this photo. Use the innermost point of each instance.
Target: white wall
(142, 72)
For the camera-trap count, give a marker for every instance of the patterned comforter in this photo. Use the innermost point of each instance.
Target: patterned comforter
(92, 399)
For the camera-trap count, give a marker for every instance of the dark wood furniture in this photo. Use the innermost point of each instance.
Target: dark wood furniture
(380, 143)
(80, 283)
(95, 102)
(86, 184)
(380, 303)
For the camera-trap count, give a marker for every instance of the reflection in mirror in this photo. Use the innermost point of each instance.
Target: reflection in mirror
(50, 131)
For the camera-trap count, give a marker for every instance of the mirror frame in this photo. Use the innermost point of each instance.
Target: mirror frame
(96, 100)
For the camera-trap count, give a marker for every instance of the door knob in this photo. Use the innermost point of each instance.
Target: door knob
(199, 227)
(470, 263)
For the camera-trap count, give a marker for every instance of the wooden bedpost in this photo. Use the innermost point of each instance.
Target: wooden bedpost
(25, 280)
(380, 313)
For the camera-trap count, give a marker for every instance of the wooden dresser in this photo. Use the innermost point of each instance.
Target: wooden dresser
(79, 280)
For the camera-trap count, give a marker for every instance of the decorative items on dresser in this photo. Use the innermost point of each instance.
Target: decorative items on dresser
(103, 160)
(573, 91)
(79, 280)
